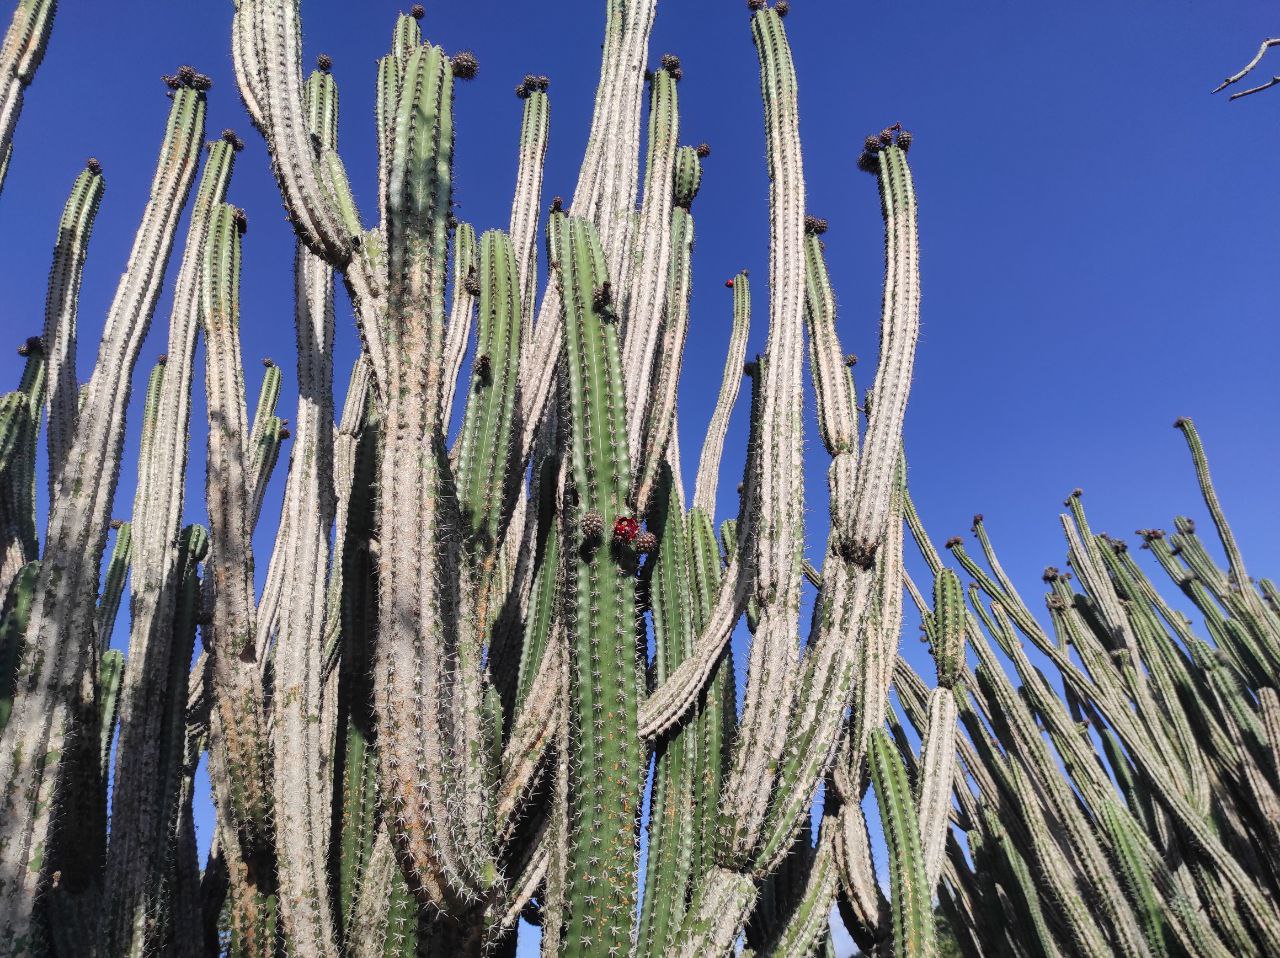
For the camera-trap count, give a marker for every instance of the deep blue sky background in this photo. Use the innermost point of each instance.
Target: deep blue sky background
(1099, 234)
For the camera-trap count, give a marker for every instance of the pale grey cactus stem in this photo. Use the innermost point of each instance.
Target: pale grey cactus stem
(301, 783)
(606, 189)
(526, 203)
(139, 810)
(778, 525)
(937, 762)
(267, 55)
(643, 294)
(66, 592)
(461, 314)
(20, 56)
(708, 479)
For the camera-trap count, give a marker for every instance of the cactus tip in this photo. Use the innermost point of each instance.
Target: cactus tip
(954, 541)
(93, 166)
(592, 525)
(162, 359)
(33, 344)
(646, 543)
(324, 63)
(268, 362)
(671, 63)
(851, 360)
(602, 298)
(703, 150)
(241, 219)
(1181, 422)
(728, 284)
(117, 523)
(1051, 574)
(230, 136)
(417, 11)
(750, 367)
(754, 5)
(557, 204)
(782, 7)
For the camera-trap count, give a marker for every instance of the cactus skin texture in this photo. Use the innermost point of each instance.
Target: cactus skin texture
(437, 715)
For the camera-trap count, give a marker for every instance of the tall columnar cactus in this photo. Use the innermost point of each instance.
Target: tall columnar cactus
(437, 712)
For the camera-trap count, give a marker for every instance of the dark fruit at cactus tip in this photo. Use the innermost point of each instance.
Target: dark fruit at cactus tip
(703, 150)
(92, 165)
(782, 7)
(465, 65)
(670, 62)
(417, 11)
(754, 5)
(324, 62)
(645, 543)
(815, 225)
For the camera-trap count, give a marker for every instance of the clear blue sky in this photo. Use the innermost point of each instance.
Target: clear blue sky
(1098, 233)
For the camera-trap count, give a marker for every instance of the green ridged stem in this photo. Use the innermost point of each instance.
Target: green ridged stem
(607, 770)
(671, 814)
(19, 425)
(113, 584)
(110, 678)
(486, 443)
(60, 314)
(913, 934)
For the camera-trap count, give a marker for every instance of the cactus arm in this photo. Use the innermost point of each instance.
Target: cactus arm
(237, 678)
(671, 812)
(779, 494)
(138, 805)
(607, 771)
(656, 432)
(832, 381)
(61, 305)
(534, 131)
(704, 490)
(486, 489)
(415, 694)
(110, 675)
(864, 550)
(645, 279)
(300, 784)
(113, 584)
(913, 933)
(19, 429)
(14, 617)
(605, 192)
(24, 45)
(466, 268)
(267, 52)
(77, 533)
(1235, 559)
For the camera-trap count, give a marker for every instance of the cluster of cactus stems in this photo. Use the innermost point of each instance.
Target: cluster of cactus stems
(475, 656)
